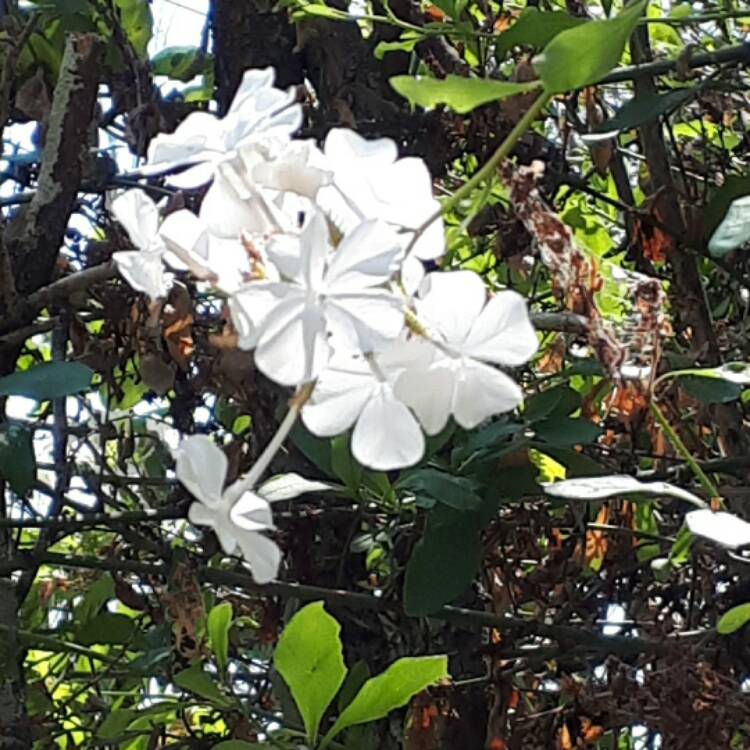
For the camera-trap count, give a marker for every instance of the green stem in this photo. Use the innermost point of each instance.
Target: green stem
(681, 448)
(488, 170)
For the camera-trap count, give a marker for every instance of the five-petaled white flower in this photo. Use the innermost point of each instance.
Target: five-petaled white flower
(467, 332)
(358, 390)
(143, 269)
(323, 293)
(371, 182)
(258, 113)
(202, 468)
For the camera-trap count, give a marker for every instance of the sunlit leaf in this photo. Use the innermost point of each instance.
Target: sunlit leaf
(390, 690)
(734, 619)
(457, 93)
(48, 381)
(581, 56)
(217, 625)
(310, 659)
(534, 29)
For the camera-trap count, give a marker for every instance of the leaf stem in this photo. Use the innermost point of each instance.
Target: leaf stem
(247, 482)
(681, 448)
(489, 167)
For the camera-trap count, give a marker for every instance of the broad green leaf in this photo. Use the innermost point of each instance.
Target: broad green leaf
(390, 690)
(344, 465)
(315, 449)
(457, 93)
(405, 45)
(732, 620)
(534, 29)
(100, 591)
(108, 628)
(710, 390)
(567, 431)
(238, 745)
(310, 659)
(560, 400)
(444, 561)
(48, 381)
(456, 492)
(642, 109)
(357, 676)
(179, 63)
(115, 723)
(137, 22)
(218, 624)
(17, 458)
(195, 680)
(581, 56)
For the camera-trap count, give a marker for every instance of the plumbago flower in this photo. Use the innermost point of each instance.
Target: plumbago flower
(323, 293)
(258, 113)
(143, 268)
(465, 333)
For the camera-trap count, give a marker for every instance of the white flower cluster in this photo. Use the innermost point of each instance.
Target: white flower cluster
(320, 254)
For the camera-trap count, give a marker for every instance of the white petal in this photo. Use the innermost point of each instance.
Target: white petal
(262, 555)
(200, 514)
(451, 302)
(314, 250)
(429, 393)
(194, 139)
(138, 215)
(289, 486)
(249, 306)
(387, 436)
(253, 80)
(227, 215)
(482, 391)
(412, 273)
(227, 533)
(346, 148)
(293, 346)
(197, 175)
(202, 468)
(724, 528)
(144, 271)
(186, 236)
(366, 257)
(337, 412)
(365, 320)
(252, 513)
(503, 332)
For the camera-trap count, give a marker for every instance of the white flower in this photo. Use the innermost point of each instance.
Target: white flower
(259, 112)
(467, 333)
(324, 293)
(143, 269)
(724, 528)
(371, 182)
(357, 390)
(202, 468)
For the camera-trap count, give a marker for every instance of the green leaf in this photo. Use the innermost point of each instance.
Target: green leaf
(710, 390)
(534, 29)
(195, 680)
(115, 723)
(581, 56)
(444, 561)
(17, 458)
(560, 400)
(405, 45)
(390, 690)
(457, 93)
(238, 745)
(357, 676)
(218, 624)
(109, 628)
(456, 492)
(732, 620)
(566, 431)
(644, 108)
(48, 381)
(180, 63)
(344, 465)
(309, 657)
(100, 591)
(137, 22)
